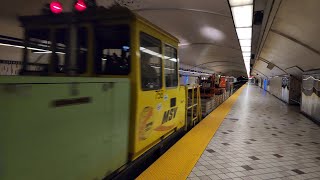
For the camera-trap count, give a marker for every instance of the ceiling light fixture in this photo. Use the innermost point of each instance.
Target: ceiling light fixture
(244, 33)
(242, 12)
(242, 15)
(240, 2)
(246, 54)
(245, 48)
(245, 42)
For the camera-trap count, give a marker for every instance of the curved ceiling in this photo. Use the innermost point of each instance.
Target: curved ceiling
(204, 28)
(292, 42)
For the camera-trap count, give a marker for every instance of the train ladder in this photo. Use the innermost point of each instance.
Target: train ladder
(194, 106)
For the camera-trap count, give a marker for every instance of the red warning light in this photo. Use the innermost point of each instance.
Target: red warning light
(80, 5)
(56, 7)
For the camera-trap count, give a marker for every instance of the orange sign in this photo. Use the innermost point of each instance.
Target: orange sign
(222, 83)
(146, 122)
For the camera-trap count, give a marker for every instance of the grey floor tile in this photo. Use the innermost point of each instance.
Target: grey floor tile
(262, 138)
(214, 177)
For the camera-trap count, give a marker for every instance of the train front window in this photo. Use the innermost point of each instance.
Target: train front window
(150, 59)
(171, 66)
(112, 50)
(82, 50)
(38, 50)
(59, 60)
(40, 56)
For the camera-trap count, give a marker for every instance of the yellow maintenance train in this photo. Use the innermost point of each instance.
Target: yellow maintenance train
(98, 96)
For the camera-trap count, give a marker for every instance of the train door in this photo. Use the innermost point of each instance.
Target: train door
(157, 86)
(149, 92)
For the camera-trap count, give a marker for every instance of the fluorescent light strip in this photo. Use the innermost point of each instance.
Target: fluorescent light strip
(48, 52)
(245, 48)
(30, 48)
(164, 68)
(173, 59)
(246, 58)
(10, 45)
(246, 54)
(245, 42)
(242, 12)
(166, 57)
(148, 51)
(194, 72)
(240, 2)
(242, 15)
(244, 33)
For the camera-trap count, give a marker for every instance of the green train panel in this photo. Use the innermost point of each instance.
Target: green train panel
(62, 128)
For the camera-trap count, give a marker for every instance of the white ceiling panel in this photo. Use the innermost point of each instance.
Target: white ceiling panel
(295, 71)
(195, 54)
(262, 68)
(195, 27)
(286, 53)
(300, 20)
(293, 43)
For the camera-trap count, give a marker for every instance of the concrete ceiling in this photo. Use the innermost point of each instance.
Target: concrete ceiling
(204, 27)
(291, 40)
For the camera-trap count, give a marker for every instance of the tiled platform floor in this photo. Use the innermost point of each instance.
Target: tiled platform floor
(261, 138)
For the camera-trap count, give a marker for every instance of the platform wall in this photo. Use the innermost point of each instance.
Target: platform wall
(278, 86)
(310, 101)
(295, 90)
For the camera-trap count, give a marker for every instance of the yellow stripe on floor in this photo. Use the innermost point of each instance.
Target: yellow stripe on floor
(179, 160)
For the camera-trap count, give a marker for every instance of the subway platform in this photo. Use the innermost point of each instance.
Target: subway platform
(259, 137)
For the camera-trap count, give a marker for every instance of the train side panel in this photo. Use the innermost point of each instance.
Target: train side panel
(62, 128)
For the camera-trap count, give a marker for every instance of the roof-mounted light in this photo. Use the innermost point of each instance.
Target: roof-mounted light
(56, 7)
(80, 5)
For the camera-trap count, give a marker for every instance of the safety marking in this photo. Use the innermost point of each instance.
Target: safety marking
(179, 160)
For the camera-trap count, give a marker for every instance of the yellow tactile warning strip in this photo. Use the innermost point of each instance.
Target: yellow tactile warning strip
(179, 160)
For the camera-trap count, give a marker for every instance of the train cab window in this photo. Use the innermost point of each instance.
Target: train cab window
(40, 56)
(171, 66)
(38, 50)
(59, 58)
(150, 61)
(82, 50)
(112, 52)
